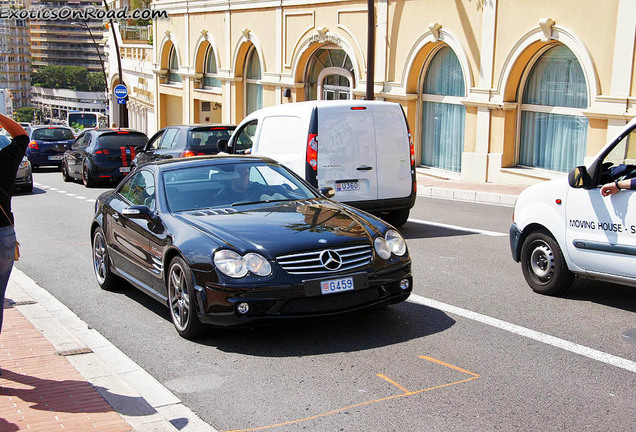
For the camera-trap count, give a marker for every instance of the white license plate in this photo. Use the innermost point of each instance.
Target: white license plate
(60, 157)
(347, 186)
(336, 285)
(124, 169)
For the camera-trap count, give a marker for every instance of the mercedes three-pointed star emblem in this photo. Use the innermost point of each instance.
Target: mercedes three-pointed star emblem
(330, 259)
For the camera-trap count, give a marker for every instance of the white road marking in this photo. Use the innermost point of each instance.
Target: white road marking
(459, 228)
(53, 189)
(70, 194)
(90, 200)
(80, 197)
(61, 191)
(526, 332)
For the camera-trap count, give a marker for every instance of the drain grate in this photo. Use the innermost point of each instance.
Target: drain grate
(75, 351)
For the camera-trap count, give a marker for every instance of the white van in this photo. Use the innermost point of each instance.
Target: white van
(361, 149)
(565, 227)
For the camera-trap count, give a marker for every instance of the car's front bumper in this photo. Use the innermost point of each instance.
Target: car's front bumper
(276, 302)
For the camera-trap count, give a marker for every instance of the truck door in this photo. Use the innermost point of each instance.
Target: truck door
(346, 152)
(393, 152)
(601, 231)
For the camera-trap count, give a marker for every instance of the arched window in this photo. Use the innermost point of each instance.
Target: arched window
(330, 75)
(209, 75)
(443, 113)
(253, 87)
(553, 128)
(173, 66)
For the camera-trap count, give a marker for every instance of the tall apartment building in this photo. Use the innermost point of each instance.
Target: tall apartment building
(15, 71)
(62, 43)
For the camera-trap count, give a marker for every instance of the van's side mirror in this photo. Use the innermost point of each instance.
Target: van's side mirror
(579, 178)
(327, 192)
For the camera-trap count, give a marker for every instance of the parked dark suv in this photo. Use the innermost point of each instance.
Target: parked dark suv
(101, 155)
(183, 141)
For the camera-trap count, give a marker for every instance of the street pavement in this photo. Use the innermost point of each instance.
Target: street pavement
(59, 374)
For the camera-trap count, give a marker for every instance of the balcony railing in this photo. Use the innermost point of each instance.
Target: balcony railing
(134, 32)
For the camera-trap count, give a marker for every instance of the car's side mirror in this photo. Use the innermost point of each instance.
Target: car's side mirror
(138, 212)
(579, 178)
(222, 145)
(140, 149)
(327, 192)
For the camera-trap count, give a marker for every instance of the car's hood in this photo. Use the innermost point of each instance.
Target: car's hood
(279, 228)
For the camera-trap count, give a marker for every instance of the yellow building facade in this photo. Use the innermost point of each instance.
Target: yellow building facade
(494, 91)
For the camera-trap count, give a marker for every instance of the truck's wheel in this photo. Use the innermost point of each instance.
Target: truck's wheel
(543, 264)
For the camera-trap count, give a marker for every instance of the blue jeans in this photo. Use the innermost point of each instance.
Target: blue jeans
(7, 254)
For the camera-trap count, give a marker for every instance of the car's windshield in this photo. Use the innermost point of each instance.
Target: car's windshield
(122, 139)
(52, 134)
(232, 184)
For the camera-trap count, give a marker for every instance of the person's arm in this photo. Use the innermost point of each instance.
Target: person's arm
(12, 127)
(617, 186)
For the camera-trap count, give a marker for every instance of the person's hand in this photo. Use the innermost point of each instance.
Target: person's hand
(608, 189)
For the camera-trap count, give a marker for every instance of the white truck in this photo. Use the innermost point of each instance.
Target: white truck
(6, 102)
(565, 228)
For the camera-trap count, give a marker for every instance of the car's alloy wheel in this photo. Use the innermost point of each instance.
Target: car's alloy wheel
(543, 265)
(101, 264)
(181, 300)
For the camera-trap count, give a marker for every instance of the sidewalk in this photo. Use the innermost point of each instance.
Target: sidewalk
(58, 374)
(487, 193)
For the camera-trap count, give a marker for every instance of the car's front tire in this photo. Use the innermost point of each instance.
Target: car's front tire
(182, 301)
(101, 262)
(543, 264)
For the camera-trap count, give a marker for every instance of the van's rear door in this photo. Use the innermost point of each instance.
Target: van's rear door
(346, 152)
(393, 151)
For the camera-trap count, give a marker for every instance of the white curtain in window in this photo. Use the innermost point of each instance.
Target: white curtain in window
(253, 89)
(554, 141)
(443, 123)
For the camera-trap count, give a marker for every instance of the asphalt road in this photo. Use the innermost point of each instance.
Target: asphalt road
(419, 365)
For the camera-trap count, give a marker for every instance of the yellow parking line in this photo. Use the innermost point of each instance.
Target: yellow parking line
(384, 377)
(406, 393)
(448, 365)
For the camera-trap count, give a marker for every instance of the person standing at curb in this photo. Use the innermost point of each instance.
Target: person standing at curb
(10, 158)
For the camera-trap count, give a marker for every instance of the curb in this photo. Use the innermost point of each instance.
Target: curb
(109, 370)
(467, 195)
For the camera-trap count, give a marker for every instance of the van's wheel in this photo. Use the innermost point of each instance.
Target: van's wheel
(67, 178)
(88, 181)
(397, 218)
(543, 265)
(182, 301)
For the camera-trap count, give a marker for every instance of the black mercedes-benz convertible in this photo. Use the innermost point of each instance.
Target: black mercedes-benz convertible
(240, 239)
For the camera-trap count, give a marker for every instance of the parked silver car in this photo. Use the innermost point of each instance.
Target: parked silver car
(24, 177)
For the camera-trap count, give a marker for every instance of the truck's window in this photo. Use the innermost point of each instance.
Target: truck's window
(620, 163)
(245, 138)
(282, 134)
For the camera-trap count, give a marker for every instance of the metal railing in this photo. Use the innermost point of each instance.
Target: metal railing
(134, 32)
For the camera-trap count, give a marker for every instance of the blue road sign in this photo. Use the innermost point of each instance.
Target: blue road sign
(121, 101)
(121, 91)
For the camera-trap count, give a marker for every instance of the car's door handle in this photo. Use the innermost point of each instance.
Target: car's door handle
(364, 168)
(116, 216)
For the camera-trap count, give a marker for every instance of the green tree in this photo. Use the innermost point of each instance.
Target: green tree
(68, 77)
(26, 114)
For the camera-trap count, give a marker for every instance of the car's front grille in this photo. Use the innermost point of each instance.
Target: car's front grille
(310, 262)
(330, 302)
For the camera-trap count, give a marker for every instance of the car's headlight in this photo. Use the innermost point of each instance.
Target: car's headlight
(236, 266)
(257, 264)
(391, 243)
(24, 163)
